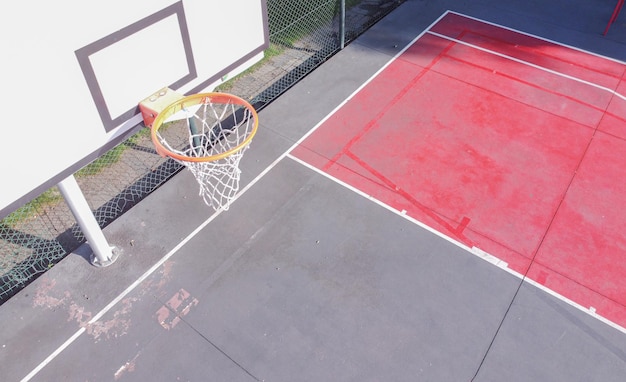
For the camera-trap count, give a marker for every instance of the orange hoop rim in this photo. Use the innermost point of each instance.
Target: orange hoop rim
(199, 99)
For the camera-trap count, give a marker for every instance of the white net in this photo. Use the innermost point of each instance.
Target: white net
(209, 135)
(219, 181)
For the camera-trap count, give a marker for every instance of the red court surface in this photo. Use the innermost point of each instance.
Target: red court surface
(501, 141)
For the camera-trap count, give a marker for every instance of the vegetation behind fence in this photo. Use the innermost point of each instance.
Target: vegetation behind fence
(303, 34)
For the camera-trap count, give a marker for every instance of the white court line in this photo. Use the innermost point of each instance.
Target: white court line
(538, 37)
(535, 66)
(174, 250)
(150, 271)
(474, 250)
(364, 84)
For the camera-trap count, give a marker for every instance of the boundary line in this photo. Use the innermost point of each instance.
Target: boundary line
(530, 64)
(150, 271)
(475, 251)
(535, 36)
(191, 235)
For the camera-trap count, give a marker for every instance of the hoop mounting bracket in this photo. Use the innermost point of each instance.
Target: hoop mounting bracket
(154, 104)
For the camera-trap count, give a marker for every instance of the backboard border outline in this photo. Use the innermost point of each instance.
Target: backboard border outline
(135, 115)
(83, 55)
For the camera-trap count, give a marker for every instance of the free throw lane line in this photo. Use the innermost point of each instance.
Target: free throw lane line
(473, 250)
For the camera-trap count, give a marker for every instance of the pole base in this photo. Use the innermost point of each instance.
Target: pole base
(93, 259)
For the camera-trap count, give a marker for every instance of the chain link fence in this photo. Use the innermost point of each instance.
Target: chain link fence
(303, 34)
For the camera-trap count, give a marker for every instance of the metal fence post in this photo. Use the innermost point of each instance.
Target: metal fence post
(342, 24)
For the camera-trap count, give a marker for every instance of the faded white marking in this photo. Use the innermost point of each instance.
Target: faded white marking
(127, 367)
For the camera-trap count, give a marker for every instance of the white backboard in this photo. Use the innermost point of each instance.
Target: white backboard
(74, 72)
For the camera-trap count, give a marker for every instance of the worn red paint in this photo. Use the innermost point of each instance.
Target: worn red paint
(519, 161)
(179, 305)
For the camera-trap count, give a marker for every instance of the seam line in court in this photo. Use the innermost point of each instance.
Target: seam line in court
(523, 277)
(217, 348)
(173, 251)
(473, 251)
(147, 273)
(212, 217)
(595, 128)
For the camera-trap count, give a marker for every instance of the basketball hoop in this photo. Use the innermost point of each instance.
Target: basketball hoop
(207, 133)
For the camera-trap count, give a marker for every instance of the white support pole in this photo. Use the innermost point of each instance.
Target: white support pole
(103, 254)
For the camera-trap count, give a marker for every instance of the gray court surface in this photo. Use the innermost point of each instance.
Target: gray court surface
(303, 279)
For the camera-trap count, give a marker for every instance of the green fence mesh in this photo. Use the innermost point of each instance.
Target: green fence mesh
(303, 34)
